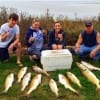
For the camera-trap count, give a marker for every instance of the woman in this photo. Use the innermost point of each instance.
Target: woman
(57, 37)
(34, 39)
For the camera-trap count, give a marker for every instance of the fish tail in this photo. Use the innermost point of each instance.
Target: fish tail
(98, 88)
(46, 73)
(57, 94)
(22, 89)
(27, 94)
(80, 85)
(75, 91)
(5, 91)
(18, 81)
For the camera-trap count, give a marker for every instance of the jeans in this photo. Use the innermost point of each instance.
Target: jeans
(84, 50)
(32, 51)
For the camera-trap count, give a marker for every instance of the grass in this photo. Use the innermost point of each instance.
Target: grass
(43, 92)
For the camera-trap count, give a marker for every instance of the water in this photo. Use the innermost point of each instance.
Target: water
(70, 8)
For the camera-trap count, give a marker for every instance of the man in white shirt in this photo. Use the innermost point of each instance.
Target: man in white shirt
(10, 39)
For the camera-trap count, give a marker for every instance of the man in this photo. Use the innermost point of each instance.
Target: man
(57, 37)
(9, 39)
(34, 40)
(88, 42)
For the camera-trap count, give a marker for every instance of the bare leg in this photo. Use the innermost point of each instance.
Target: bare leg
(18, 53)
(60, 47)
(54, 47)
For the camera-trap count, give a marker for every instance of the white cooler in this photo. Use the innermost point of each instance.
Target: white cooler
(56, 59)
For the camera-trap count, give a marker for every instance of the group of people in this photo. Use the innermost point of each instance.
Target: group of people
(87, 43)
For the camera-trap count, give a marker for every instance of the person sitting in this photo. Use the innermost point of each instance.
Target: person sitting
(34, 40)
(88, 42)
(57, 37)
(10, 39)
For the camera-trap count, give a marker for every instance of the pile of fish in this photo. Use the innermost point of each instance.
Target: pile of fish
(85, 69)
(25, 79)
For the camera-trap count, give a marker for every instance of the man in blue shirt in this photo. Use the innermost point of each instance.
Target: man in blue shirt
(34, 40)
(88, 42)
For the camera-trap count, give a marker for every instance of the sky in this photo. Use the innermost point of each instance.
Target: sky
(57, 0)
(70, 8)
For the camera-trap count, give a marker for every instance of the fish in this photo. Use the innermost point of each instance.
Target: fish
(73, 79)
(39, 70)
(25, 81)
(64, 81)
(81, 66)
(36, 80)
(8, 82)
(89, 66)
(91, 77)
(21, 73)
(53, 87)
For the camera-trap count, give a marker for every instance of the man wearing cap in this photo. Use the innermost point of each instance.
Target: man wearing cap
(88, 42)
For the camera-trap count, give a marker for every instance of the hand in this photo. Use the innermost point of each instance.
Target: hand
(7, 34)
(77, 47)
(60, 36)
(92, 53)
(31, 39)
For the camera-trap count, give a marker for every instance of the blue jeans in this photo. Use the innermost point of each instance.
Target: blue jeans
(84, 50)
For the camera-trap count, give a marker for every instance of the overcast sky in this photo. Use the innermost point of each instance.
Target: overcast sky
(57, 0)
(69, 1)
(83, 8)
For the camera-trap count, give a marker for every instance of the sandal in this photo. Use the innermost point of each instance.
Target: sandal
(19, 64)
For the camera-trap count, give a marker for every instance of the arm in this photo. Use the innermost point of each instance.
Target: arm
(3, 33)
(4, 36)
(79, 41)
(28, 38)
(98, 41)
(64, 39)
(93, 52)
(50, 39)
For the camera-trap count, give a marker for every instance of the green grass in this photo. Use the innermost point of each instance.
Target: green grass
(43, 92)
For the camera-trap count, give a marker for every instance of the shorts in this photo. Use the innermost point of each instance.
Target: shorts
(14, 48)
(4, 55)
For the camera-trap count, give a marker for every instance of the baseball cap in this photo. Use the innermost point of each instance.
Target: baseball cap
(88, 23)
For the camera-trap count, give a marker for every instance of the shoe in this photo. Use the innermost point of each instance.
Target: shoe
(19, 64)
(5, 61)
(34, 56)
(31, 59)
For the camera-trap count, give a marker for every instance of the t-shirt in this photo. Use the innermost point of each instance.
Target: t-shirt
(37, 44)
(5, 28)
